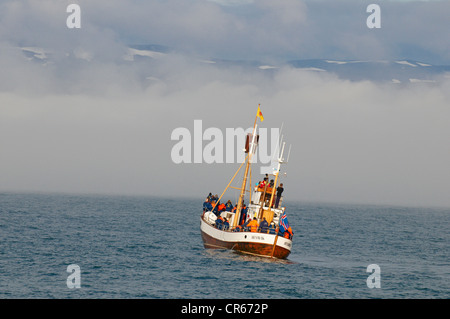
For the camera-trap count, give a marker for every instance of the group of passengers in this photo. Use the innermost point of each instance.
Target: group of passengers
(247, 225)
(265, 183)
(252, 225)
(212, 204)
(264, 227)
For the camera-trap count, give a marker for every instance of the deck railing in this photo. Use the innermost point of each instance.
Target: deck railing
(270, 231)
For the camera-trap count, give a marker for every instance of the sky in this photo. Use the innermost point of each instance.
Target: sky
(89, 122)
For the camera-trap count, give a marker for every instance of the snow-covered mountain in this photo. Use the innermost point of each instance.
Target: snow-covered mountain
(395, 71)
(398, 71)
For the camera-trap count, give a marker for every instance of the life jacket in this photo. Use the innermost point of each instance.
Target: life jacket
(253, 225)
(288, 233)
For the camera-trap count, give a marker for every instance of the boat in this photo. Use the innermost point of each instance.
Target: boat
(235, 229)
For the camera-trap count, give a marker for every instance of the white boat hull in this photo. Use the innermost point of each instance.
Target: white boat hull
(254, 243)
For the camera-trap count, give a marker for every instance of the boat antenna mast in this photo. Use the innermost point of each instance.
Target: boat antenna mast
(281, 160)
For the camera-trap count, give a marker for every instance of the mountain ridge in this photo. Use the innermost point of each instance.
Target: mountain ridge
(394, 71)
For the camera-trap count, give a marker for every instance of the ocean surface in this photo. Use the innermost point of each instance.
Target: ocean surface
(145, 247)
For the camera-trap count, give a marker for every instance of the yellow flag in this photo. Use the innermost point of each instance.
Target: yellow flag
(259, 114)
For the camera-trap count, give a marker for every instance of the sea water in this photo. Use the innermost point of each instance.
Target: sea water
(146, 247)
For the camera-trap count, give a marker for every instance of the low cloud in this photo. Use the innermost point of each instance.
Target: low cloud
(352, 141)
(261, 30)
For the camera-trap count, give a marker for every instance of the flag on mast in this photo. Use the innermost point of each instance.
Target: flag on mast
(259, 114)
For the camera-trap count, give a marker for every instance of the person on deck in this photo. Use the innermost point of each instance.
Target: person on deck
(228, 206)
(253, 225)
(272, 229)
(215, 210)
(289, 233)
(280, 190)
(207, 206)
(226, 224)
(221, 207)
(219, 222)
(243, 215)
(264, 226)
(245, 225)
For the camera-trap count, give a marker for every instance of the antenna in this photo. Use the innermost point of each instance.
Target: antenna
(277, 147)
(289, 153)
(282, 152)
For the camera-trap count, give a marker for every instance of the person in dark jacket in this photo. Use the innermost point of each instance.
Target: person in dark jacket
(219, 222)
(280, 190)
(245, 225)
(216, 208)
(226, 224)
(272, 229)
(237, 229)
(207, 206)
(243, 215)
(228, 206)
(264, 226)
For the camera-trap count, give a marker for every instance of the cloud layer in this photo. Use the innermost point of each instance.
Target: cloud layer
(246, 30)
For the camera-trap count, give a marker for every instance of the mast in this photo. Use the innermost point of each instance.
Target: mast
(252, 147)
(251, 151)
